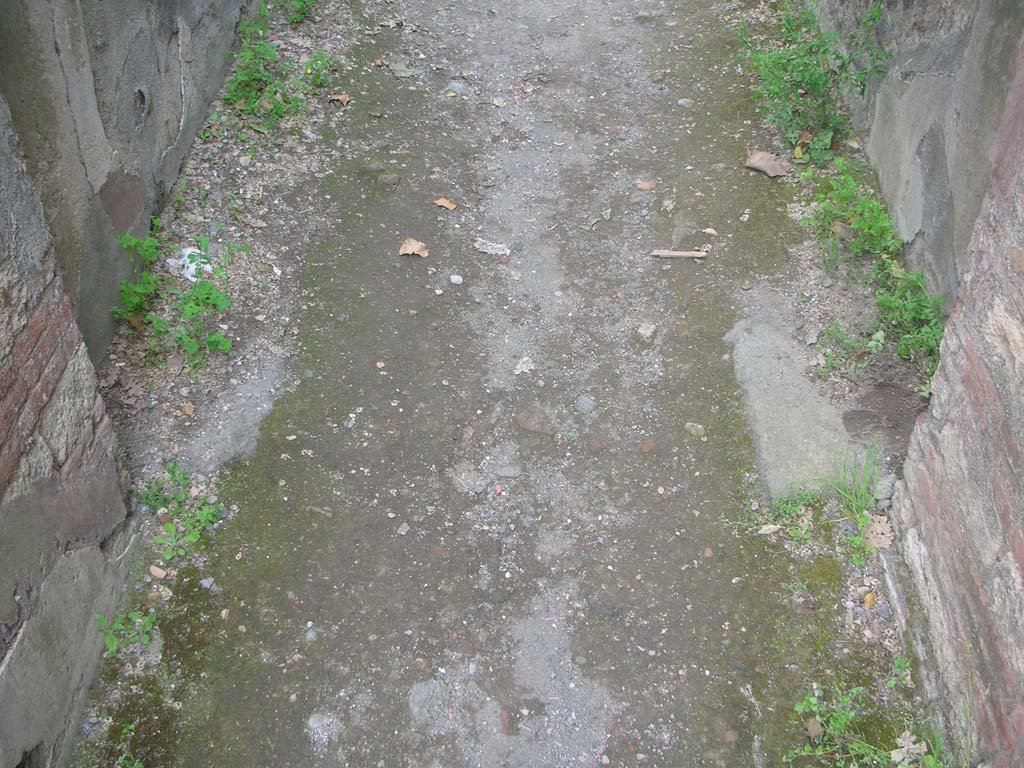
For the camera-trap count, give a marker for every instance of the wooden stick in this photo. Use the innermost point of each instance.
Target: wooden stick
(661, 254)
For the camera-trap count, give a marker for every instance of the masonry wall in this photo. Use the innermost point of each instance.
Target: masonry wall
(99, 103)
(106, 98)
(945, 129)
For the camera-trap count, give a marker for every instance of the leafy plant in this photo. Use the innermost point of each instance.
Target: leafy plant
(136, 296)
(800, 81)
(187, 515)
(842, 737)
(900, 674)
(909, 313)
(300, 10)
(851, 211)
(126, 628)
(125, 757)
(258, 88)
(317, 70)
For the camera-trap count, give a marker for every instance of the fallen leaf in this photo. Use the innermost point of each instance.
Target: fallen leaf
(767, 530)
(870, 599)
(175, 363)
(187, 408)
(400, 68)
(879, 532)
(444, 202)
(768, 163)
(645, 186)
(340, 98)
(709, 231)
(814, 729)
(378, 62)
(413, 247)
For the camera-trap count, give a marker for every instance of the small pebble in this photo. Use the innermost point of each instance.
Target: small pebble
(456, 279)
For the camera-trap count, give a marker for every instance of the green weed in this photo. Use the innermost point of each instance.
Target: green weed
(906, 310)
(851, 212)
(125, 757)
(187, 516)
(800, 81)
(854, 482)
(125, 629)
(842, 736)
(300, 10)
(318, 70)
(258, 88)
(183, 324)
(900, 674)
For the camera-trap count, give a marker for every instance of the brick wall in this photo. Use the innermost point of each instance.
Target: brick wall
(960, 508)
(52, 418)
(62, 515)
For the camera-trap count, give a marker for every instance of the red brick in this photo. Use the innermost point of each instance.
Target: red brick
(8, 378)
(41, 394)
(37, 323)
(10, 457)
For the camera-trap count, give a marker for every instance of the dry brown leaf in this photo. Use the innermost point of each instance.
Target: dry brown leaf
(870, 599)
(444, 202)
(187, 408)
(340, 98)
(814, 729)
(413, 247)
(645, 186)
(768, 163)
(879, 532)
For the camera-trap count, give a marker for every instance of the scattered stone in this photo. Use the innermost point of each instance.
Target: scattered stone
(811, 338)
(323, 728)
(646, 332)
(157, 572)
(595, 446)
(525, 365)
(455, 88)
(455, 279)
(403, 529)
(309, 134)
(585, 404)
(885, 487)
(206, 583)
(695, 430)
(534, 421)
(767, 530)
(648, 445)
(510, 470)
(492, 249)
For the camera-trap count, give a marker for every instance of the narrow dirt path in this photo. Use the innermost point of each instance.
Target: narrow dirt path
(490, 525)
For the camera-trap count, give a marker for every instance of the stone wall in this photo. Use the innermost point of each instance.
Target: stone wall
(106, 98)
(99, 103)
(945, 129)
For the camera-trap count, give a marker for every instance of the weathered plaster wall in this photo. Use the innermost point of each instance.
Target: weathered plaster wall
(929, 121)
(99, 103)
(945, 129)
(106, 98)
